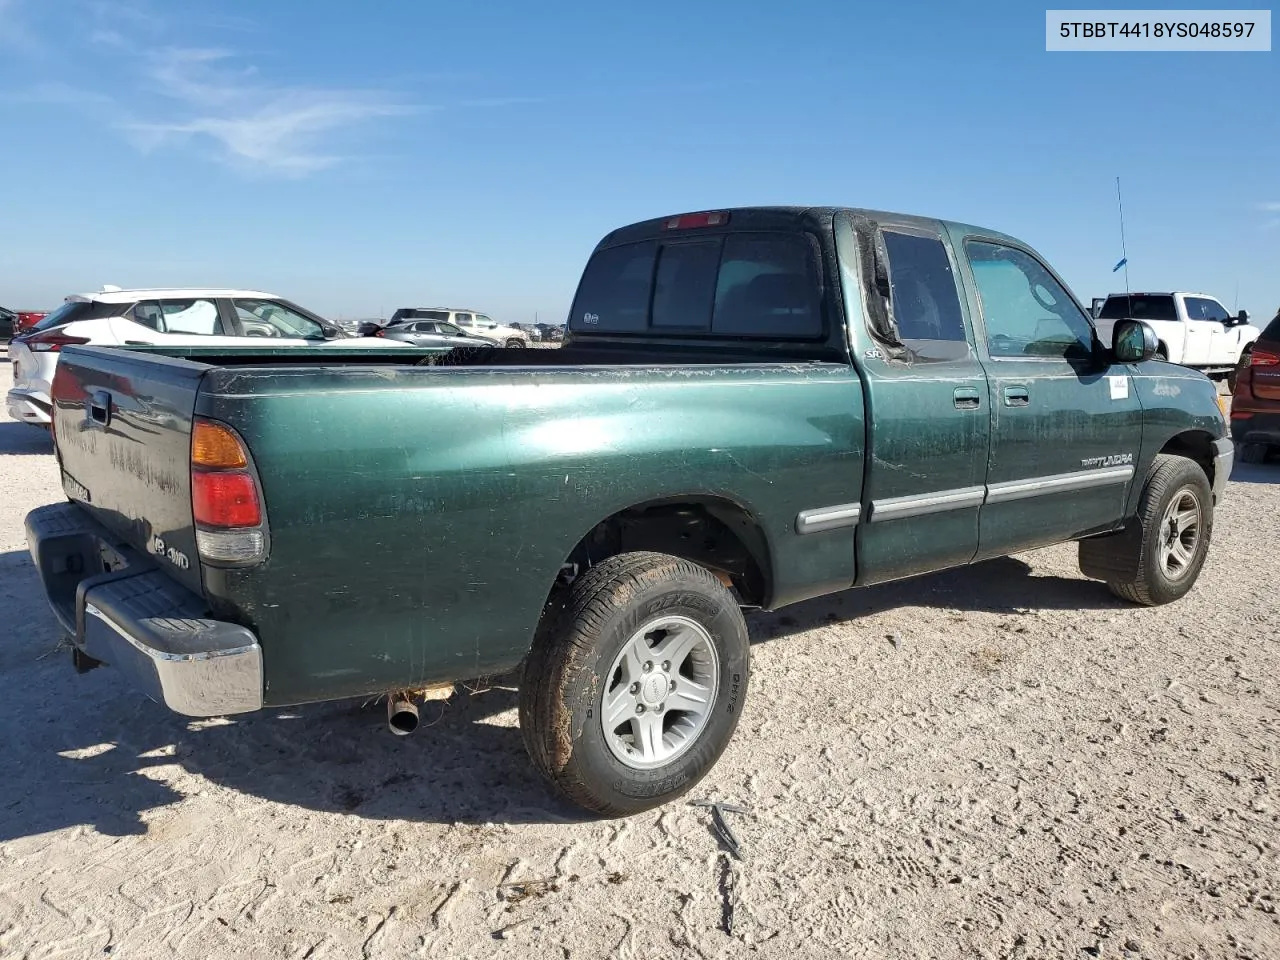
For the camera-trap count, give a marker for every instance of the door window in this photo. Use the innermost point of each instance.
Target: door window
(1202, 308)
(449, 330)
(463, 318)
(195, 316)
(924, 297)
(1027, 313)
(270, 318)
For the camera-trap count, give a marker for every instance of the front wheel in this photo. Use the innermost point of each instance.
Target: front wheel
(515, 343)
(635, 683)
(1158, 557)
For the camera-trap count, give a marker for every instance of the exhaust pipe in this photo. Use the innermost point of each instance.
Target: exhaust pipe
(402, 715)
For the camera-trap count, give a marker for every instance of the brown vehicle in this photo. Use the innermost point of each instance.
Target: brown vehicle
(1255, 404)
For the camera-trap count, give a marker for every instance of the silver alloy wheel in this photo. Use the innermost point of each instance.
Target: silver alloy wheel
(1180, 534)
(660, 692)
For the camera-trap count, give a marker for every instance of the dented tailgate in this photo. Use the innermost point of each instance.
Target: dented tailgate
(122, 425)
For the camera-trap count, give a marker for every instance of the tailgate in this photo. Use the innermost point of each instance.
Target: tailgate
(122, 425)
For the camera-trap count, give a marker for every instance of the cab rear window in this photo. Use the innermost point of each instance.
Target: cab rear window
(759, 285)
(1139, 307)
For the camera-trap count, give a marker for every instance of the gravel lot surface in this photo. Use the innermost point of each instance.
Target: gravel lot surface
(1032, 769)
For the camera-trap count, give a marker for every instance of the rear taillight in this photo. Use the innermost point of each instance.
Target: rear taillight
(49, 341)
(1264, 358)
(225, 500)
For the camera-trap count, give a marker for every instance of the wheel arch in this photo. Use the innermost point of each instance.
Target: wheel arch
(1196, 445)
(711, 530)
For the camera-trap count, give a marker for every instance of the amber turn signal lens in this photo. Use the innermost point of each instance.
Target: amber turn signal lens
(215, 446)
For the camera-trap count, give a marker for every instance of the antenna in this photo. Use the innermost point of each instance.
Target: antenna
(1124, 254)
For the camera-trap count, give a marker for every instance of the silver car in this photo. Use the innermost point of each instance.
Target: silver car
(433, 333)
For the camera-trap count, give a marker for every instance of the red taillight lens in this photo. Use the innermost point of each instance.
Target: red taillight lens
(50, 341)
(689, 221)
(227, 499)
(1264, 358)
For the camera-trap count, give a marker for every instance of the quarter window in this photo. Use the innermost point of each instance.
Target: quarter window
(924, 297)
(1026, 312)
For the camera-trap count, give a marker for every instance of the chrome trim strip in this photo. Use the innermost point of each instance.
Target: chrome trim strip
(1058, 483)
(920, 505)
(828, 518)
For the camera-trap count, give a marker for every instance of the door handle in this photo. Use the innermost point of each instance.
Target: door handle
(99, 407)
(967, 398)
(1016, 396)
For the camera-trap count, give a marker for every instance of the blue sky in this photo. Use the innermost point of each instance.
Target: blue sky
(356, 158)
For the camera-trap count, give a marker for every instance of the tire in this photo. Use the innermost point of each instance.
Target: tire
(579, 664)
(1139, 564)
(1254, 452)
(1245, 356)
(515, 343)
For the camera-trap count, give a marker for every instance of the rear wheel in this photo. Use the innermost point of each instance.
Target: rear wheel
(635, 683)
(515, 342)
(1159, 555)
(1234, 375)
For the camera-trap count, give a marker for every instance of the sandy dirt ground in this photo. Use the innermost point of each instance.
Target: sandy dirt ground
(1033, 769)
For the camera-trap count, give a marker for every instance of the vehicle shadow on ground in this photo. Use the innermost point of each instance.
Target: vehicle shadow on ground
(1268, 472)
(81, 749)
(24, 439)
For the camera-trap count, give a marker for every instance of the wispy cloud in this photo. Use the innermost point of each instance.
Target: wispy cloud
(1271, 207)
(252, 122)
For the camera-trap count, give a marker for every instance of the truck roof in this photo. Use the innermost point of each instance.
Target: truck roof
(792, 216)
(1163, 293)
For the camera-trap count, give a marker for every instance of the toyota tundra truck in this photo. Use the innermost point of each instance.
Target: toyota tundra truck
(752, 407)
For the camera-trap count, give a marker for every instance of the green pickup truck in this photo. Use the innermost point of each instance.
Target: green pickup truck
(752, 407)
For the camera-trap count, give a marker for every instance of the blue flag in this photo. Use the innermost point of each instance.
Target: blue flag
(1120, 264)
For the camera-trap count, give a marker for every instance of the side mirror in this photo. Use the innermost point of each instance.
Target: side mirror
(1132, 341)
(1242, 317)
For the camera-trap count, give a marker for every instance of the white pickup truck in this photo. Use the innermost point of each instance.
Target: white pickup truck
(1194, 329)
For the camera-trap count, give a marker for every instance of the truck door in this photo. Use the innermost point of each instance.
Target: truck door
(926, 396)
(1223, 349)
(1065, 425)
(1200, 331)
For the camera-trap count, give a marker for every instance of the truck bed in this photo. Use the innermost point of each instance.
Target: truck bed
(418, 513)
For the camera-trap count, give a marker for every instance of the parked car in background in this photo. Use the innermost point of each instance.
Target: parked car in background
(550, 332)
(1193, 329)
(8, 323)
(27, 319)
(189, 317)
(1255, 403)
(476, 324)
(432, 333)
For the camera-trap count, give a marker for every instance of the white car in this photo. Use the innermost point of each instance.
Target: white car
(177, 317)
(1194, 329)
(476, 324)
